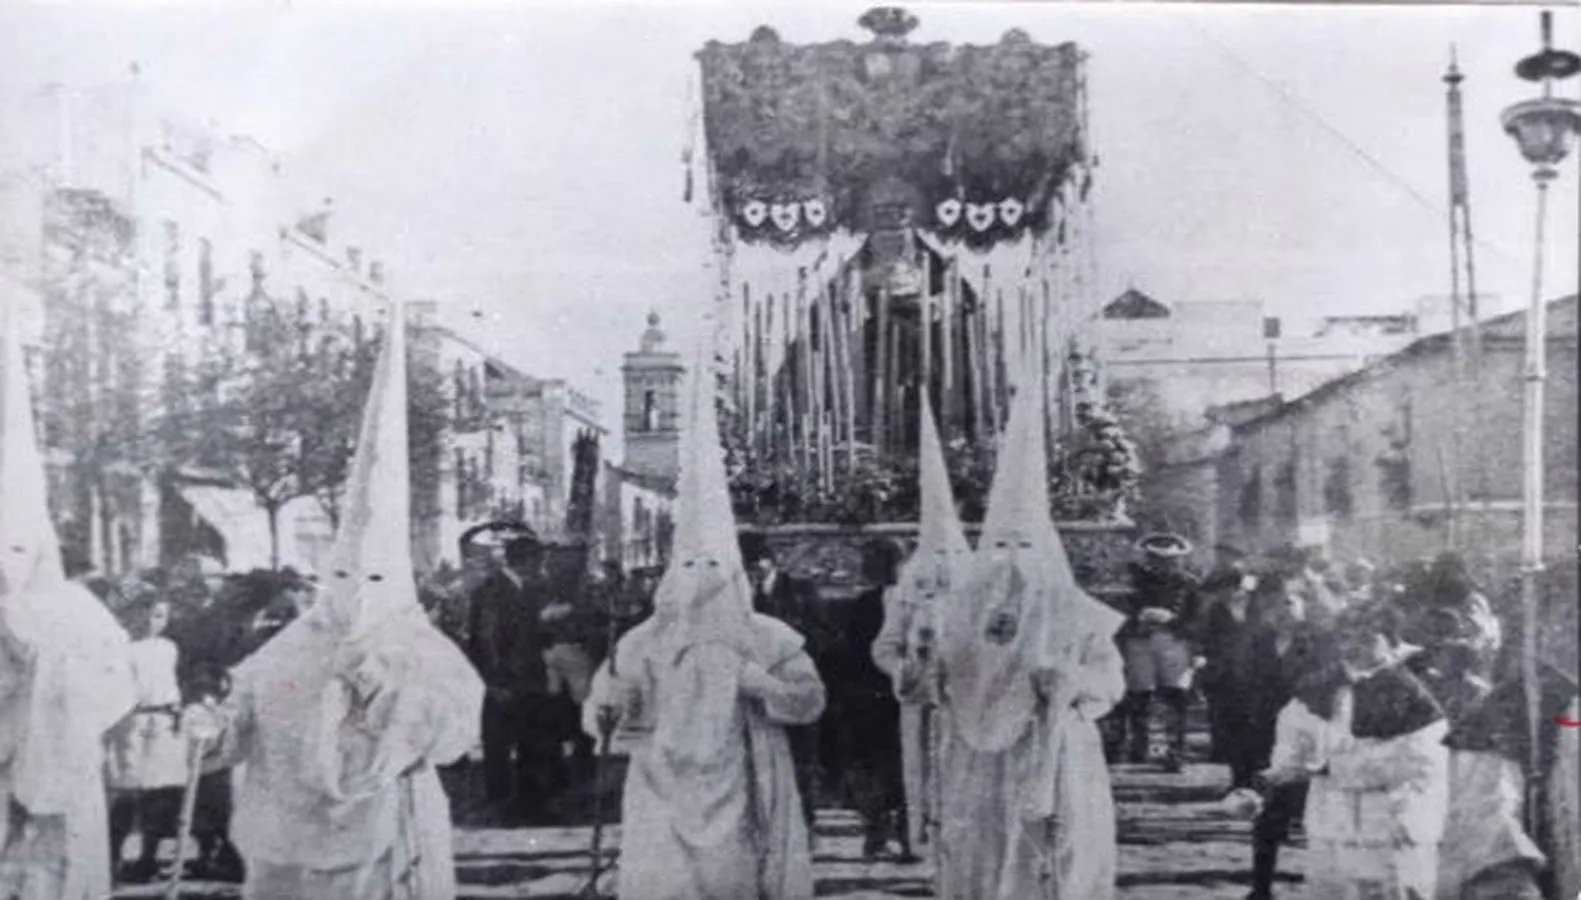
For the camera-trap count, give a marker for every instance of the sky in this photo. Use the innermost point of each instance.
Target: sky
(521, 163)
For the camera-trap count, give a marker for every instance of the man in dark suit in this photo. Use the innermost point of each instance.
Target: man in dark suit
(794, 602)
(506, 643)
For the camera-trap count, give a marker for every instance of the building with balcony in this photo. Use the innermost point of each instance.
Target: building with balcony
(141, 252)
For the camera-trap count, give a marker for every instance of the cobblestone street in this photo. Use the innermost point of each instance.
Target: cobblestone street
(1174, 843)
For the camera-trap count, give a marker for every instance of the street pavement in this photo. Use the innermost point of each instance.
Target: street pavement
(1175, 842)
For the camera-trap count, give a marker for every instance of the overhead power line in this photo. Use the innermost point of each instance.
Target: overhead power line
(1356, 149)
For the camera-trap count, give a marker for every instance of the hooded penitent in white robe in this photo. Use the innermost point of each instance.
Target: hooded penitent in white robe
(906, 647)
(704, 689)
(65, 679)
(1030, 665)
(340, 720)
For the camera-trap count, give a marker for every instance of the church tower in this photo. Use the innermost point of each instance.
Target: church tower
(652, 422)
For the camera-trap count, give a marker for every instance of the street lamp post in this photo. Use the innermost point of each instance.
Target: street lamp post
(1543, 128)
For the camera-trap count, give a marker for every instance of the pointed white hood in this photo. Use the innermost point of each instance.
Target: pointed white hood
(65, 666)
(29, 547)
(390, 690)
(1023, 611)
(940, 562)
(369, 578)
(704, 594)
(940, 528)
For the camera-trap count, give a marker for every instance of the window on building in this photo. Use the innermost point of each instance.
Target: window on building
(1337, 499)
(461, 484)
(172, 265)
(206, 286)
(1251, 498)
(1286, 497)
(650, 411)
(1394, 477)
(488, 454)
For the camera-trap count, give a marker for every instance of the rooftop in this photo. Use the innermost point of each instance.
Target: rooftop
(1508, 328)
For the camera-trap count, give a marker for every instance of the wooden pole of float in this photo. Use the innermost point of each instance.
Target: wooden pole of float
(985, 351)
(784, 396)
(948, 305)
(996, 348)
(826, 378)
(838, 360)
(1045, 365)
(749, 365)
(804, 371)
(1024, 320)
(925, 318)
(759, 379)
(879, 414)
(855, 318)
(767, 373)
(974, 368)
(897, 391)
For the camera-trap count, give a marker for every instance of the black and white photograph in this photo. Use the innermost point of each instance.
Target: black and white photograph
(974, 450)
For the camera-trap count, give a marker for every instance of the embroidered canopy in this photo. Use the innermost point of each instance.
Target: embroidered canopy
(968, 142)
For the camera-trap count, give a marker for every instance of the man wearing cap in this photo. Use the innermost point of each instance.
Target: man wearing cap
(507, 645)
(1156, 641)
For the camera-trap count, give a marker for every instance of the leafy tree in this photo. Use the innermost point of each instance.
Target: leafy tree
(92, 403)
(277, 412)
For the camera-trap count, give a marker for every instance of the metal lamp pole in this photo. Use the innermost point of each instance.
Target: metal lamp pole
(1543, 129)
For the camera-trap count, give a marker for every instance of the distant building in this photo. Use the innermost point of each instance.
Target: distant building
(1400, 460)
(1209, 353)
(639, 493)
(136, 248)
(652, 377)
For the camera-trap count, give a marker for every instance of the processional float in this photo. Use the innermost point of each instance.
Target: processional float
(894, 219)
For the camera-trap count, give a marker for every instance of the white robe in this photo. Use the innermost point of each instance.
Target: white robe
(1037, 820)
(1483, 828)
(895, 646)
(339, 799)
(64, 681)
(147, 749)
(710, 809)
(1376, 813)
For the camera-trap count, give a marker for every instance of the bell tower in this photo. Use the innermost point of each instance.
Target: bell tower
(652, 424)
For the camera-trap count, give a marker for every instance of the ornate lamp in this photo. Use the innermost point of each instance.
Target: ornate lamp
(1543, 129)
